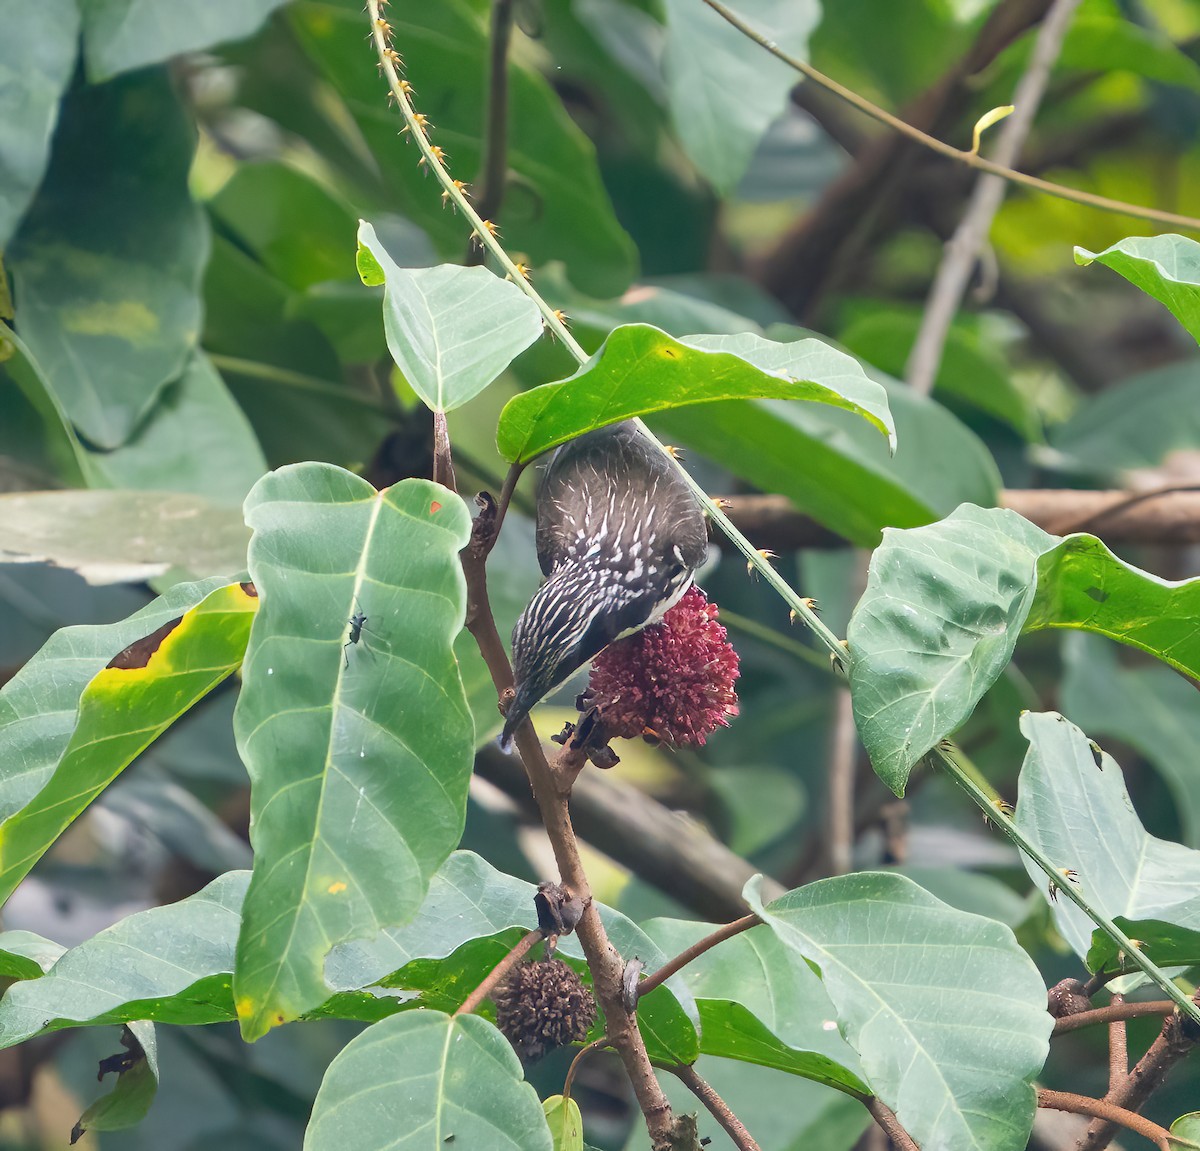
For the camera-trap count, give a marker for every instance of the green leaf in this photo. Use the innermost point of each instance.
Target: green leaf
(359, 754)
(417, 1080)
(91, 532)
(945, 1009)
(781, 1018)
(723, 88)
(471, 917)
(167, 964)
(1165, 267)
(1100, 41)
(1101, 441)
(640, 370)
(124, 708)
(127, 1103)
(120, 35)
(936, 626)
(1165, 943)
(24, 955)
(969, 372)
(35, 432)
(565, 1123)
(835, 467)
(299, 230)
(195, 439)
(944, 606)
(451, 330)
(107, 264)
(1187, 1127)
(39, 706)
(1073, 806)
(556, 206)
(1082, 584)
(1150, 708)
(37, 57)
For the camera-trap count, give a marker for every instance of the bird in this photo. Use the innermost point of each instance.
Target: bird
(619, 538)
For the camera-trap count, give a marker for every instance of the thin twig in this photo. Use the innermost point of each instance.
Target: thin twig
(497, 973)
(962, 251)
(1109, 1112)
(1107, 1014)
(728, 931)
(963, 157)
(580, 1055)
(892, 1128)
(494, 171)
(717, 1107)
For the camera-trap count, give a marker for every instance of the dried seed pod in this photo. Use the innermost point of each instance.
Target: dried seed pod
(544, 1005)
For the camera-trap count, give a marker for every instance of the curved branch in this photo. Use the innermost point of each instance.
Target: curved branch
(1109, 1112)
(728, 931)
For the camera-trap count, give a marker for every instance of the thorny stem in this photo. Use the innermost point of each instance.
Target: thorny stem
(498, 972)
(1110, 1112)
(932, 142)
(728, 931)
(717, 1107)
(1110, 1013)
(554, 324)
(1068, 890)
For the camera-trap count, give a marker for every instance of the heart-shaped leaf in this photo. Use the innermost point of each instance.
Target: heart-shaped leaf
(451, 330)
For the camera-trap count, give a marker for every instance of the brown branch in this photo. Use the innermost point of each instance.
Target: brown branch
(497, 973)
(728, 931)
(493, 174)
(1110, 1013)
(552, 790)
(1172, 1045)
(717, 1107)
(1118, 1048)
(666, 849)
(962, 251)
(1168, 517)
(1110, 1113)
(886, 1118)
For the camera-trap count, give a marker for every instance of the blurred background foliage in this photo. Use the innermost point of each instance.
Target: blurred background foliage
(179, 192)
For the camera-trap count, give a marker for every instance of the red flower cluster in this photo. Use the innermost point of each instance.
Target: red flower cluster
(672, 681)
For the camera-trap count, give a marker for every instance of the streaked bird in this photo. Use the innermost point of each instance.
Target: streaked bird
(619, 537)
